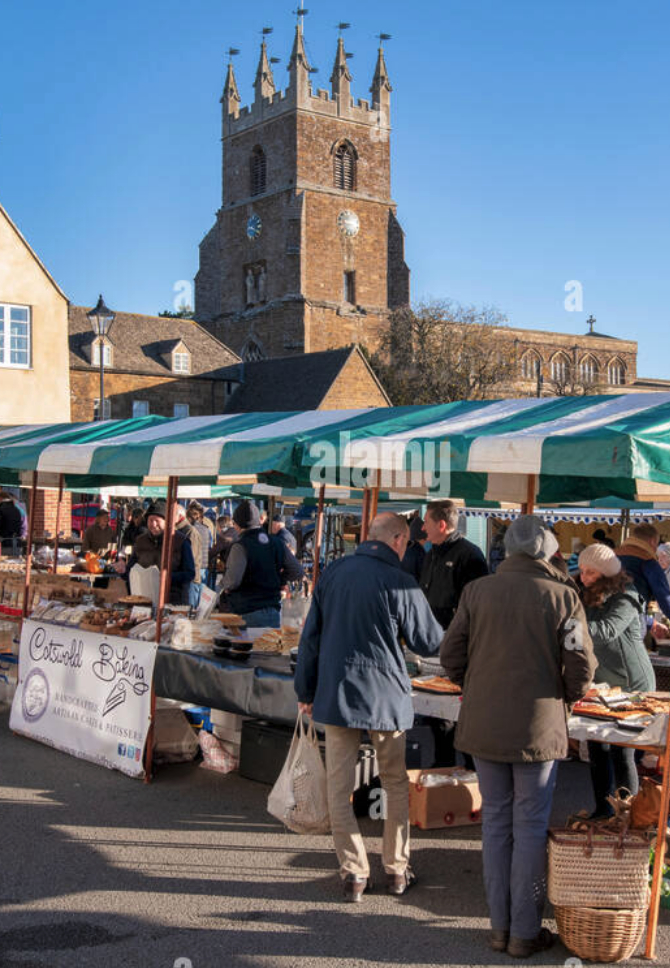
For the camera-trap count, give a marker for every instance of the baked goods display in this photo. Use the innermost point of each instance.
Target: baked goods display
(277, 640)
(438, 684)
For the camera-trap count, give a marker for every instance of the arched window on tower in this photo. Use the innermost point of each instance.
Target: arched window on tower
(258, 171)
(252, 351)
(344, 167)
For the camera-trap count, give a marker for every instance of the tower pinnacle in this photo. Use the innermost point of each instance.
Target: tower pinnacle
(231, 96)
(299, 67)
(340, 79)
(381, 86)
(264, 85)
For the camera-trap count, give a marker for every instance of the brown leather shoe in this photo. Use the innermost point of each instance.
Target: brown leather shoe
(399, 883)
(498, 940)
(356, 887)
(525, 947)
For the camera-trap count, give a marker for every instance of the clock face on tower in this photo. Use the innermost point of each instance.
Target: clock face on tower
(348, 223)
(254, 226)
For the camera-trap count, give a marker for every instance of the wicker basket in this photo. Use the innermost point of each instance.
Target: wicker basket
(598, 934)
(598, 869)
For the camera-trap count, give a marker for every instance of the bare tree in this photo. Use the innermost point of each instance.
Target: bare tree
(441, 351)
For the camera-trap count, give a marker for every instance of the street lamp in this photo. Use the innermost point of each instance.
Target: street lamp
(101, 320)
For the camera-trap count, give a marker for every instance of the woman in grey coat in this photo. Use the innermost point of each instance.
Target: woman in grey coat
(613, 608)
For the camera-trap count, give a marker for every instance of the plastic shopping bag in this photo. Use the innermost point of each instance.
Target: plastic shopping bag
(299, 798)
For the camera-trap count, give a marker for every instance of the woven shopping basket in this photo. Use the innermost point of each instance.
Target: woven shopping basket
(591, 866)
(597, 934)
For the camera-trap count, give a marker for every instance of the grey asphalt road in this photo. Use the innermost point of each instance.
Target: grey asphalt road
(99, 870)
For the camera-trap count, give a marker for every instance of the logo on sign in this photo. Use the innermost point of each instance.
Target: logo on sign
(35, 699)
(121, 749)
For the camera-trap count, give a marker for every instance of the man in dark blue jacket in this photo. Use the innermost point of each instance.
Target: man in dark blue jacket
(351, 675)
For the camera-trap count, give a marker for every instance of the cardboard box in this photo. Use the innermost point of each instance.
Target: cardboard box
(447, 805)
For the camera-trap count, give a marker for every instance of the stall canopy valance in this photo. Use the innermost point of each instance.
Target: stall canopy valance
(577, 449)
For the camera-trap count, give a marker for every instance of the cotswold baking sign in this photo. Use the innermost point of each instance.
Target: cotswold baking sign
(85, 693)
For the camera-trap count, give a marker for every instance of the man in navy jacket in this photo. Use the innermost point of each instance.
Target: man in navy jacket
(638, 557)
(351, 676)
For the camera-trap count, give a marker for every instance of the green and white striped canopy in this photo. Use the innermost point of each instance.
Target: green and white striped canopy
(578, 449)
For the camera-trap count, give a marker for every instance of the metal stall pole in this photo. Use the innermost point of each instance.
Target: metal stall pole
(318, 536)
(163, 598)
(61, 480)
(29, 545)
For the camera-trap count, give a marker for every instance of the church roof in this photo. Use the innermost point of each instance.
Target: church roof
(288, 382)
(143, 344)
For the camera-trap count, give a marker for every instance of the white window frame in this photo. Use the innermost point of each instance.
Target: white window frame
(560, 369)
(181, 355)
(6, 327)
(106, 354)
(107, 409)
(186, 411)
(588, 370)
(140, 405)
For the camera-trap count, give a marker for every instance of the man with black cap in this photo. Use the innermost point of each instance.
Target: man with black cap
(258, 566)
(148, 551)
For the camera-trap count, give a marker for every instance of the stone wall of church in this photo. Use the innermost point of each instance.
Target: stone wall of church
(317, 138)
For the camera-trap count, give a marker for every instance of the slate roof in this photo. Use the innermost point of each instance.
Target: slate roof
(287, 382)
(143, 344)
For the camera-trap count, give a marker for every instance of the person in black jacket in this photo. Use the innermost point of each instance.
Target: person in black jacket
(450, 564)
(258, 567)
(10, 522)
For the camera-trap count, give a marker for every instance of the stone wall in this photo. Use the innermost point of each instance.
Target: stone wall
(204, 396)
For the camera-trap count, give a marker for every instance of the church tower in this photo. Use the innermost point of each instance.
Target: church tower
(306, 253)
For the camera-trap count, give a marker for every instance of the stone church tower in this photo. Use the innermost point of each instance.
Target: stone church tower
(306, 253)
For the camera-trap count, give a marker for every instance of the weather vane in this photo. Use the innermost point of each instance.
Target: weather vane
(233, 52)
(382, 37)
(301, 13)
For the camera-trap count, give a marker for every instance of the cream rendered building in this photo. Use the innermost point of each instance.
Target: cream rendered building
(34, 352)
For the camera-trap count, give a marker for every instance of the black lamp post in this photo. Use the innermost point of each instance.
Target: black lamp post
(101, 320)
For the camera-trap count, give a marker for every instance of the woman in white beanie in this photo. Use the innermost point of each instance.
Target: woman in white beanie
(613, 609)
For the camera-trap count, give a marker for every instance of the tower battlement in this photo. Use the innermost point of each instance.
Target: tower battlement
(269, 102)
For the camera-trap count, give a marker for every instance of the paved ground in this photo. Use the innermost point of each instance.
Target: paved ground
(100, 870)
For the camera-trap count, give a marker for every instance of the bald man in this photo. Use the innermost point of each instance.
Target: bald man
(351, 676)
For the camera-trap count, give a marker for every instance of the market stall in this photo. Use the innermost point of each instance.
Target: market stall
(524, 451)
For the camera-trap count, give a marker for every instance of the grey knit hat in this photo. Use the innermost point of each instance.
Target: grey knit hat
(528, 535)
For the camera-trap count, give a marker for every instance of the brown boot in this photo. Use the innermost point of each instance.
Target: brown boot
(498, 940)
(399, 883)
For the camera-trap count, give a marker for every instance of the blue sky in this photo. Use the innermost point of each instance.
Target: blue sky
(531, 145)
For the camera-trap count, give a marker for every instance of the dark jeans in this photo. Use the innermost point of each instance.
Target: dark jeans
(611, 767)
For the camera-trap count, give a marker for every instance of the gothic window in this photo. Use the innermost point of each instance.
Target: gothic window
(258, 169)
(616, 373)
(345, 167)
(531, 366)
(588, 370)
(560, 368)
(252, 351)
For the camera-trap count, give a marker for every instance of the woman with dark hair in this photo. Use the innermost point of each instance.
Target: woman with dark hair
(613, 608)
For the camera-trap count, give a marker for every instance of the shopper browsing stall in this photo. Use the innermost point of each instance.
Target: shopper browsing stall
(451, 563)
(638, 557)
(351, 675)
(520, 647)
(258, 567)
(613, 607)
